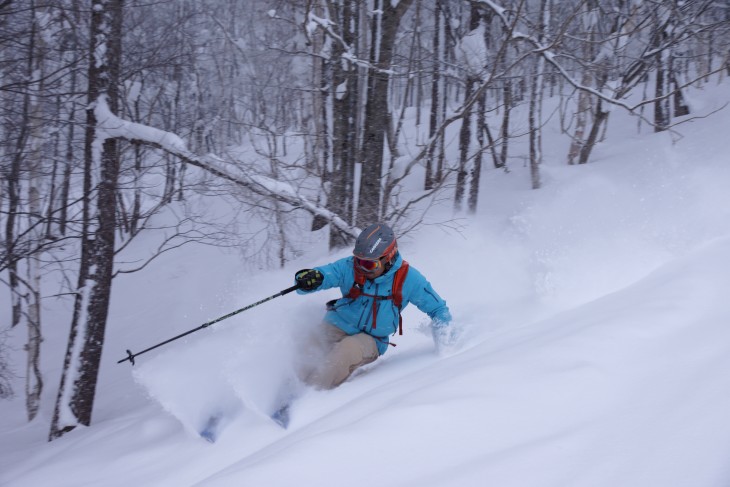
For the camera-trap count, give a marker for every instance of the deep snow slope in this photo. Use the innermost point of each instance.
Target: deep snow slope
(629, 390)
(594, 350)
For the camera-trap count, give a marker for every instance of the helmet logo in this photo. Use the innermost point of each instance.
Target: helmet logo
(375, 245)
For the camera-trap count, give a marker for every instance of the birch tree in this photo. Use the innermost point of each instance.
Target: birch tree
(536, 95)
(35, 160)
(28, 32)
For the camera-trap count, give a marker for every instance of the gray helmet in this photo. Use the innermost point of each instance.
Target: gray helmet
(376, 241)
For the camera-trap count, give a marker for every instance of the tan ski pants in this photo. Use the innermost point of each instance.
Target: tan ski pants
(334, 355)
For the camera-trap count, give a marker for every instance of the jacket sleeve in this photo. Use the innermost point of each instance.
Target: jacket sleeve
(336, 274)
(422, 294)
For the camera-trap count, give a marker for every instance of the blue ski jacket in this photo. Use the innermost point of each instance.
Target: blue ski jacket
(356, 315)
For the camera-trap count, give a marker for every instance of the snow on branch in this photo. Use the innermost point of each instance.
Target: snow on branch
(110, 126)
(348, 54)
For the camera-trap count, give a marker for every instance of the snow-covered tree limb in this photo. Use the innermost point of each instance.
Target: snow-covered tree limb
(111, 126)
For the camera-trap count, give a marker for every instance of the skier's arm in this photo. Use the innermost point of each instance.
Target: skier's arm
(427, 300)
(422, 294)
(326, 276)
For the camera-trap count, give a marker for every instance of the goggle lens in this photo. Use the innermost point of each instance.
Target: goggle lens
(367, 265)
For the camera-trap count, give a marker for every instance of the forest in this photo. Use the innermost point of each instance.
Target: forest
(300, 114)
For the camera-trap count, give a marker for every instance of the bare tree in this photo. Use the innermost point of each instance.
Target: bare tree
(76, 394)
(436, 95)
(344, 87)
(36, 153)
(629, 38)
(27, 101)
(384, 27)
(536, 95)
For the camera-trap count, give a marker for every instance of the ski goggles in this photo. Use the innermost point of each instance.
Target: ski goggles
(368, 265)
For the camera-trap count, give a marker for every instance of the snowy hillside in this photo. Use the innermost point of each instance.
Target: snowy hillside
(594, 350)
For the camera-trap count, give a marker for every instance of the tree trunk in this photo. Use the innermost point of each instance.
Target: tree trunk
(681, 108)
(385, 22)
(33, 378)
(433, 121)
(536, 93)
(75, 399)
(581, 119)
(661, 108)
(535, 153)
(476, 173)
(505, 121)
(344, 82)
(48, 232)
(464, 142)
(68, 163)
(661, 116)
(584, 98)
(13, 182)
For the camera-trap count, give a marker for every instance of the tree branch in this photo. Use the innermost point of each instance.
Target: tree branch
(111, 126)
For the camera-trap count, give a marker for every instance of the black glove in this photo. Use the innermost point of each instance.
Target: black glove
(309, 279)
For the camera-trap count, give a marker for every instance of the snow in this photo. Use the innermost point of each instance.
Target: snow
(593, 351)
(315, 22)
(341, 90)
(472, 51)
(112, 126)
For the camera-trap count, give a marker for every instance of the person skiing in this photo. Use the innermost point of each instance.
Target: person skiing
(376, 284)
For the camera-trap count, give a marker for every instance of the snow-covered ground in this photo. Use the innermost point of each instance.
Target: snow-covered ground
(594, 351)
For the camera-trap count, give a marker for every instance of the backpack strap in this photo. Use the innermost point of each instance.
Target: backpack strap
(396, 293)
(398, 280)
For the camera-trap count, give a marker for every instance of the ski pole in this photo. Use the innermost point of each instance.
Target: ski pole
(130, 356)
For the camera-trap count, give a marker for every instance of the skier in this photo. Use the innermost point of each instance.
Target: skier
(376, 284)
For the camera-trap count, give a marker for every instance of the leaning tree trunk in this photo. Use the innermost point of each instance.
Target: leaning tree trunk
(75, 398)
(599, 119)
